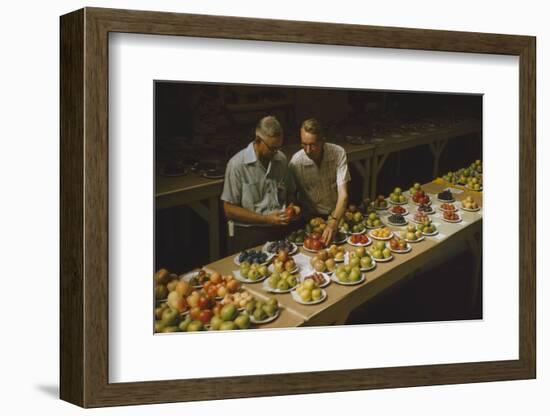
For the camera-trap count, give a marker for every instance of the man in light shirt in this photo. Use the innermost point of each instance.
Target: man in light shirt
(256, 189)
(320, 172)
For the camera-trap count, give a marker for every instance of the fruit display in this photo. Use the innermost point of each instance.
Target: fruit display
(308, 292)
(316, 225)
(348, 275)
(465, 176)
(446, 196)
(283, 261)
(325, 260)
(380, 252)
(320, 279)
(399, 210)
(281, 282)
(469, 204)
(450, 216)
(352, 221)
(360, 257)
(273, 247)
(397, 197)
(313, 242)
(447, 207)
(396, 219)
(427, 228)
(426, 209)
(420, 217)
(297, 237)
(252, 273)
(252, 256)
(412, 234)
(399, 245)
(261, 312)
(419, 197)
(380, 203)
(359, 240)
(373, 220)
(381, 233)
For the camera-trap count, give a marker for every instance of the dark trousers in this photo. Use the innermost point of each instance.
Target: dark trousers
(249, 237)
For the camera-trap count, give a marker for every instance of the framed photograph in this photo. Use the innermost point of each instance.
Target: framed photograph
(255, 207)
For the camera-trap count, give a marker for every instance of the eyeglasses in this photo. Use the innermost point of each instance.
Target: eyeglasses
(273, 149)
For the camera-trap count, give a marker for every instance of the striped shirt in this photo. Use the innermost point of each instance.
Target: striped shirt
(318, 186)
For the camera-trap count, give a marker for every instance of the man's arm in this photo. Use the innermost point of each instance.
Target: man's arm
(341, 204)
(237, 213)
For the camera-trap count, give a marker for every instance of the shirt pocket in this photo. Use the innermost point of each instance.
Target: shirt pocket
(252, 195)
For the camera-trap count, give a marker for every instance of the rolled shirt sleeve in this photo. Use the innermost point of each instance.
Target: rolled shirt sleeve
(342, 171)
(232, 186)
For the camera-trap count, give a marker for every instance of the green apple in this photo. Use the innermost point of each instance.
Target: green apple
(306, 295)
(215, 323)
(169, 316)
(377, 254)
(316, 294)
(194, 326)
(228, 326)
(282, 285)
(355, 275)
(372, 216)
(386, 253)
(273, 281)
(397, 191)
(228, 312)
(269, 309)
(354, 262)
(259, 314)
(309, 284)
(242, 321)
(366, 262)
(292, 281)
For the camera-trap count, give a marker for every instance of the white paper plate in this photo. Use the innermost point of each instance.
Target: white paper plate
(269, 257)
(267, 288)
(266, 320)
(450, 210)
(430, 234)
(357, 244)
(383, 260)
(359, 232)
(407, 250)
(293, 250)
(418, 240)
(470, 210)
(450, 201)
(335, 280)
(381, 238)
(397, 225)
(452, 221)
(397, 203)
(297, 298)
(237, 274)
(399, 213)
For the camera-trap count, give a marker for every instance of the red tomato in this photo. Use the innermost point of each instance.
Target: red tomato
(203, 302)
(205, 316)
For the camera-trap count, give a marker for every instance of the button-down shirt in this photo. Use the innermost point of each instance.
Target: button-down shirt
(249, 184)
(318, 185)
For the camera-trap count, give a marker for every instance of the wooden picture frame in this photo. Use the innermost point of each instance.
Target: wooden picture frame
(84, 207)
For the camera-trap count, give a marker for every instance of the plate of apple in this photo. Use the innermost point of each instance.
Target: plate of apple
(313, 243)
(360, 257)
(281, 282)
(380, 252)
(412, 234)
(348, 275)
(427, 228)
(251, 273)
(469, 205)
(451, 217)
(399, 245)
(283, 262)
(261, 312)
(252, 256)
(274, 247)
(308, 292)
(397, 197)
(380, 203)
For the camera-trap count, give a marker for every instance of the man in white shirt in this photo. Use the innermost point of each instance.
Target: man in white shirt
(321, 175)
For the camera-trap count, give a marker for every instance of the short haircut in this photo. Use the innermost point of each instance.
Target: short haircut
(269, 126)
(313, 126)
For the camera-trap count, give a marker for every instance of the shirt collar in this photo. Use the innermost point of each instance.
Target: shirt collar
(250, 154)
(327, 156)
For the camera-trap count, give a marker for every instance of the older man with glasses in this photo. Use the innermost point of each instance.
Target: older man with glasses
(257, 187)
(320, 171)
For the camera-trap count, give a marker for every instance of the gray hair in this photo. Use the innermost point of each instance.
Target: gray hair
(269, 126)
